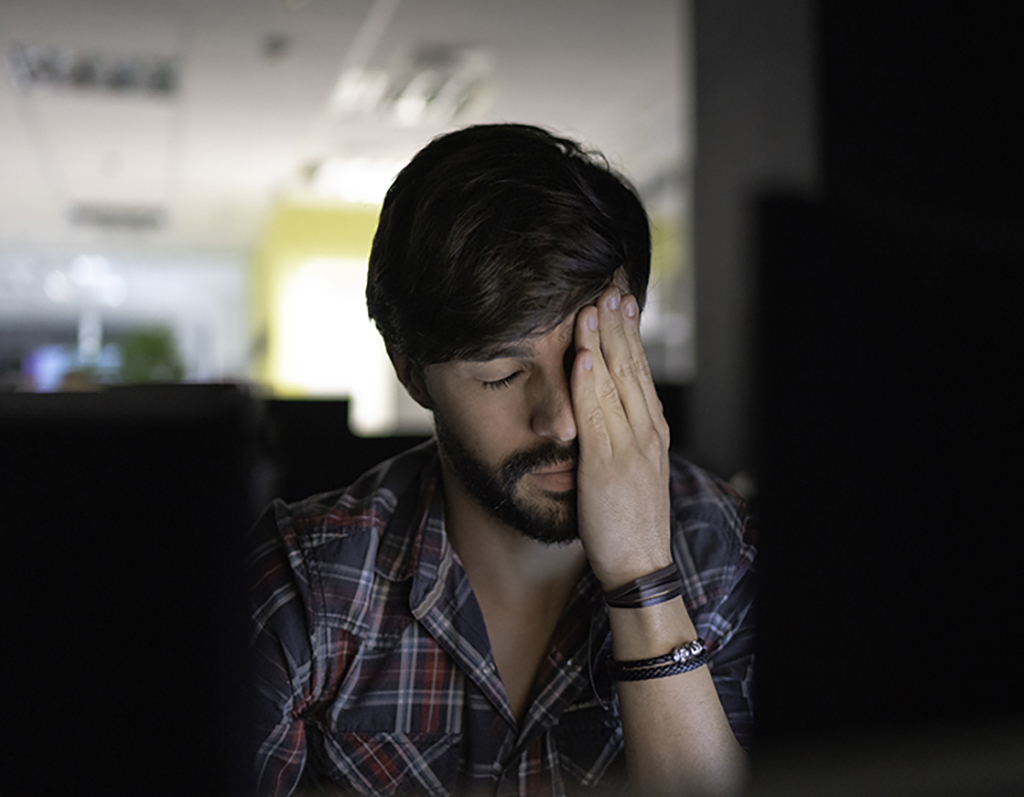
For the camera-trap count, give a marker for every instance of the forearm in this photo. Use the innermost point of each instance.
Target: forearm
(677, 737)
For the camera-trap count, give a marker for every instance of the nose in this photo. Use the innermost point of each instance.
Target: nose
(551, 414)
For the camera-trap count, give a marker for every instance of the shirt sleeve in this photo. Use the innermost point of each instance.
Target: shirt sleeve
(279, 662)
(714, 544)
(733, 660)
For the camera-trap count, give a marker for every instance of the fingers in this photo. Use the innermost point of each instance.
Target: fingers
(615, 395)
(595, 403)
(631, 324)
(623, 353)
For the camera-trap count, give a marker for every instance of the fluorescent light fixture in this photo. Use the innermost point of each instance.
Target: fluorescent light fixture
(133, 218)
(58, 288)
(359, 90)
(89, 280)
(430, 85)
(53, 68)
(358, 180)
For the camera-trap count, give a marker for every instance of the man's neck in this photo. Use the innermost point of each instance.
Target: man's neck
(500, 559)
(521, 586)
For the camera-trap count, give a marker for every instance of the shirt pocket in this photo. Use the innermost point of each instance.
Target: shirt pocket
(387, 762)
(590, 748)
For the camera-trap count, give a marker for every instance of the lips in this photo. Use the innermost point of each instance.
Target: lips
(558, 478)
(561, 467)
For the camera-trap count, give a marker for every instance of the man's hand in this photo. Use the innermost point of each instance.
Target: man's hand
(677, 736)
(623, 471)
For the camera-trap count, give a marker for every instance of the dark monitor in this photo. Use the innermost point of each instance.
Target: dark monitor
(123, 517)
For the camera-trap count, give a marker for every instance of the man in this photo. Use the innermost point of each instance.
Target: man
(542, 599)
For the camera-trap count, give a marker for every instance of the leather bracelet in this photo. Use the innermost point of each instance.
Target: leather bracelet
(652, 599)
(648, 590)
(683, 658)
(660, 672)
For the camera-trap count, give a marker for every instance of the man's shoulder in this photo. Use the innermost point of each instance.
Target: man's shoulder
(362, 508)
(699, 496)
(713, 532)
(320, 558)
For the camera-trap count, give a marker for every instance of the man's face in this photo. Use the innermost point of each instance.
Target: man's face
(507, 432)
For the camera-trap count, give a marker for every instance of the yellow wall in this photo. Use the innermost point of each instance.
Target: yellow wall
(669, 262)
(294, 234)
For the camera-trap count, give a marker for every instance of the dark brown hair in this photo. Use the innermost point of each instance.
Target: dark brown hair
(496, 232)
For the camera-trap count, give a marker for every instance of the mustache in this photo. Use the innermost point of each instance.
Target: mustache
(522, 462)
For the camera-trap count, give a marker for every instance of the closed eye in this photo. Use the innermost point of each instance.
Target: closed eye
(498, 384)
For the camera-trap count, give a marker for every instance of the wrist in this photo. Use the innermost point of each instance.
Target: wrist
(623, 572)
(650, 589)
(651, 631)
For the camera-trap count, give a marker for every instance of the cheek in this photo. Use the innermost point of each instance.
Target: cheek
(490, 427)
(489, 434)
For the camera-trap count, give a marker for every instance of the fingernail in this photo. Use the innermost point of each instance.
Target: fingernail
(592, 323)
(613, 302)
(587, 364)
(630, 309)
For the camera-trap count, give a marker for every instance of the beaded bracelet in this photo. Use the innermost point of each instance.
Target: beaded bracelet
(683, 658)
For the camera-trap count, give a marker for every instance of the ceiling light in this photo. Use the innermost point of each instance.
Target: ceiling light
(437, 83)
(56, 69)
(134, 218)
(57, 287)
(433, 85)
(89, 280)
(360, 180)
(359, 90)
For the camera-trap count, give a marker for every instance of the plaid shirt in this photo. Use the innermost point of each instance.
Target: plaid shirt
(373, 666)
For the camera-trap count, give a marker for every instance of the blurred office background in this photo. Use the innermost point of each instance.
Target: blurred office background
(188, 191)
(209, 174)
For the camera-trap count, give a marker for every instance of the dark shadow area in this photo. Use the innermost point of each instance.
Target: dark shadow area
(888, 426)
(125, 517)
(314, 450)
(889, 492)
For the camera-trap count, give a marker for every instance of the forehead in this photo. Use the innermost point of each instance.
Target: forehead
(561, 330)
(529, 345)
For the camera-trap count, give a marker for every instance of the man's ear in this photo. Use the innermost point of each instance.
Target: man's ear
(410, 374)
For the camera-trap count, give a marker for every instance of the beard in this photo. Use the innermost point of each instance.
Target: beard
(551, 522)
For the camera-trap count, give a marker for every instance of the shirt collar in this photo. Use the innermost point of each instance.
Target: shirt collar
(413, 538)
